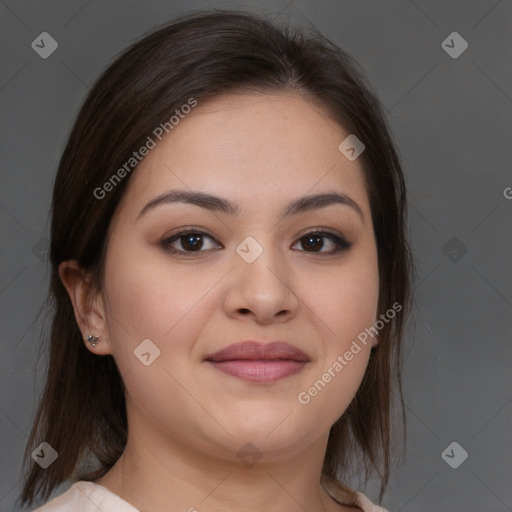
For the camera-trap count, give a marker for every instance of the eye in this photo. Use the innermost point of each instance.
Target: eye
(314, 242)
(187, 240)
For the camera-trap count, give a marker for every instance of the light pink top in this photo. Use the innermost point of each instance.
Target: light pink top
(85, 496)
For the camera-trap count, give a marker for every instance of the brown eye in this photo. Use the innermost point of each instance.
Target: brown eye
(314, 242)
(191, 242)
(186, 242)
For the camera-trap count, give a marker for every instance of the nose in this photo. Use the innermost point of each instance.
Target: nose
(263, 290)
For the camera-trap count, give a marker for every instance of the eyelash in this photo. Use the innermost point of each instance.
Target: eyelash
(341, 243)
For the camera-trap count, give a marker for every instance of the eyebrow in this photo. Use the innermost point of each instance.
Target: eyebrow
(219, 204)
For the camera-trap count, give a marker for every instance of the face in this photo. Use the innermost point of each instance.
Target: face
(194, 279)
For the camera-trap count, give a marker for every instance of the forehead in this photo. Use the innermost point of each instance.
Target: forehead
(264, 148)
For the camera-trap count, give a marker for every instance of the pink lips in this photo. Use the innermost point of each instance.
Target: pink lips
(259, 362)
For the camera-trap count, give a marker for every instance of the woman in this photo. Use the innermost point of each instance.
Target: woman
(230, 275)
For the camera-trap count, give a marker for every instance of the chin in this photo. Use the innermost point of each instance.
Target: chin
(270, 434)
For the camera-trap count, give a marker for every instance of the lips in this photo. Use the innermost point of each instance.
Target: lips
(253, 350)
(259, 362)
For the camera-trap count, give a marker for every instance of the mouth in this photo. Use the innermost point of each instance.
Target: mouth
(259, 362)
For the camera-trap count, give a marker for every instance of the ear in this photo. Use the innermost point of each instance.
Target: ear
(87, 304)
(375, 341)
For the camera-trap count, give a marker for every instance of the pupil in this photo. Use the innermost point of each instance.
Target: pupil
(312, 241)
(193, 241)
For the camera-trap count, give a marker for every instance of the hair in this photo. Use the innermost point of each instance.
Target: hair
(82, 410)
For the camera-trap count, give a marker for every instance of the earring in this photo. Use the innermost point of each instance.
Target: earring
(93, 340)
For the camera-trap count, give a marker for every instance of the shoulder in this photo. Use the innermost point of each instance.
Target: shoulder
(345, 495)
(85, 496)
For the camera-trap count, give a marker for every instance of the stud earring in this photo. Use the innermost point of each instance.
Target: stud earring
(93, 340)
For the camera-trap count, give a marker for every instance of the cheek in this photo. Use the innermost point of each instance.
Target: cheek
(137, 306)
(149, 297)
(150, 300)
(346, 303)
(346, 299)
(329, 393)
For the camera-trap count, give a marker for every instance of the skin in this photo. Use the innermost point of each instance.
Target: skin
(187, 420)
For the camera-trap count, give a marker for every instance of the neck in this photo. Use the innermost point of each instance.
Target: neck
(180, 479)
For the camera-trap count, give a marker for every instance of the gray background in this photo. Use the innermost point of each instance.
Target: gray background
(451, 118)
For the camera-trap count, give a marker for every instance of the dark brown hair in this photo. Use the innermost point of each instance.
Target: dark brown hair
(82, 411)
